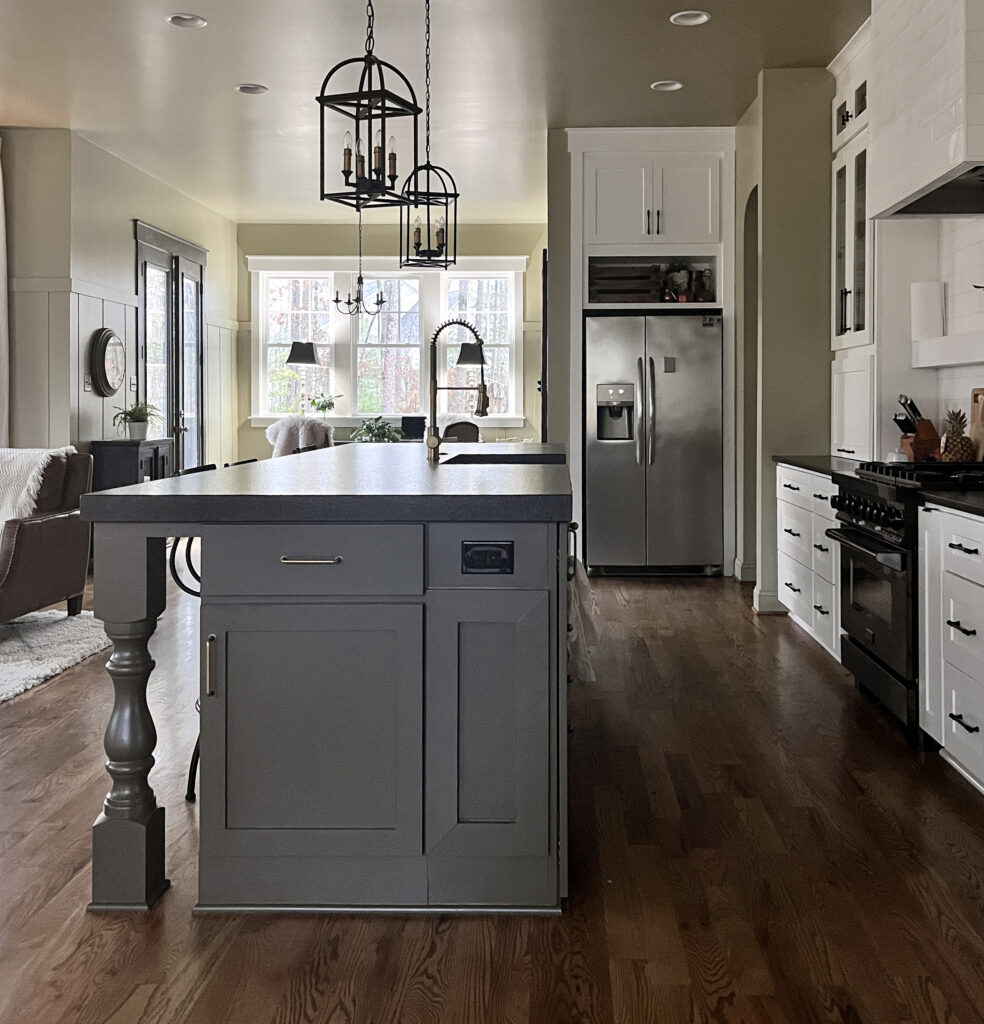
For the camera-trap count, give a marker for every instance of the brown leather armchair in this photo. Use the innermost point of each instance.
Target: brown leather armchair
(44, 557)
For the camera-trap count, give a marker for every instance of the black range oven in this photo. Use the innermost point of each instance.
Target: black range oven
(878, 532)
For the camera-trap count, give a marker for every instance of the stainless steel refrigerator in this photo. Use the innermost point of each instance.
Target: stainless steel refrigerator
(654, 494)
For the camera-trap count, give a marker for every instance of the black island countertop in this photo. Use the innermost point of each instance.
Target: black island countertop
(357, 483)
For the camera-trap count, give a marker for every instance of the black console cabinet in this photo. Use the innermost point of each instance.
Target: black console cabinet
(122, 462)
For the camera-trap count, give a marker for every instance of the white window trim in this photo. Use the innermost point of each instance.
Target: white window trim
(433, 301)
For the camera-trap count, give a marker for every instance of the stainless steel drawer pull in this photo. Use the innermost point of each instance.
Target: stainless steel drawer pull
(820, 547)
(790, 487)
(795, 590)
(792, 533)
(966, 551)
(956, 625)
(959, 720)
(287, 560)
(819, 608)
(209, 641)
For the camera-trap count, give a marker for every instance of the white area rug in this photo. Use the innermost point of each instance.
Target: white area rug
(38, 646)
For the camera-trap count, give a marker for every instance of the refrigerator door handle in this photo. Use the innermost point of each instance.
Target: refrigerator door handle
(651, 402)
(638, 410)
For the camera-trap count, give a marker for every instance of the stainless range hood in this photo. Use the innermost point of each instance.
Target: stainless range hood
(960, 196)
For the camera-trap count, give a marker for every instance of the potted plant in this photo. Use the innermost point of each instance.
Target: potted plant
(323, 403)
(136, 419)
(377, 430)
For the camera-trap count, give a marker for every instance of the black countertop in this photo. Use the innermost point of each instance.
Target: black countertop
(825, 464)
(962, 501)
(354, 483)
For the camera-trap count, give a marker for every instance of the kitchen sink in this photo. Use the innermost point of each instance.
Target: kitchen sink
(506, 459)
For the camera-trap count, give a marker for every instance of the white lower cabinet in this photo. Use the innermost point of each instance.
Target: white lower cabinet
(951, 637)
(809, 561)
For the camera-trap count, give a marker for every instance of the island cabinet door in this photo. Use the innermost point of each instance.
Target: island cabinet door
(488, 748)
(312, 730)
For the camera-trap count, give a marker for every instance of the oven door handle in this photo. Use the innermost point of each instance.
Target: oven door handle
(893, 560)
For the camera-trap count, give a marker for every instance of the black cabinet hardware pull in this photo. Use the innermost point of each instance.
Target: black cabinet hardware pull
(820, 547)
(790, 487)
(649, 229)
(959, 720)
(821, 497)
(792, 533)
(966, 551)
(846, 451)
(819, 608)
(956, 625)
(658, 218)
(795, 590)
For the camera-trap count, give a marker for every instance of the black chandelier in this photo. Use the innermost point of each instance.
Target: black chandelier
(356, 305)
(429, 220)
(370, 106)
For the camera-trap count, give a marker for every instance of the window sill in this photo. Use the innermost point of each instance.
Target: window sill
(262, 422)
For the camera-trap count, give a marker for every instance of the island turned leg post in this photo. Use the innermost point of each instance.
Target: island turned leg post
(128, 836)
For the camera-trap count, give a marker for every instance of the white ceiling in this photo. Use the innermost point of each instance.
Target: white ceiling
(504, 71)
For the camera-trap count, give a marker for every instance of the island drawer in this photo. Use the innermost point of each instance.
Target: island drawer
(313, 560)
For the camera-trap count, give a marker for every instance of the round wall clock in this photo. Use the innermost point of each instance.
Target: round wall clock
(107, 362)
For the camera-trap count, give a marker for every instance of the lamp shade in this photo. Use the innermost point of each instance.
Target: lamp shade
(302, 354)
(471, 354)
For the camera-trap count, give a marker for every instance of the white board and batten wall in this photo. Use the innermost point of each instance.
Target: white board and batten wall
(619, 178)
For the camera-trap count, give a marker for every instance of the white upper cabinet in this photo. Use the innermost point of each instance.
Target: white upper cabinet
(852, 384)
(640, 198)
(849, 109)
(850, 315)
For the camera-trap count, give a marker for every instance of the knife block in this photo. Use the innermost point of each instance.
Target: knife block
(924, 444)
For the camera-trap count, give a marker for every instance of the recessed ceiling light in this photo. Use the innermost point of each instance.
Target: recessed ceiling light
(690, 18)
(252, 88)
(186, 20)
(667, 85)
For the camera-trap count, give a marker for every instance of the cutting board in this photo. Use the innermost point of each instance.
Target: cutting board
(976, 432)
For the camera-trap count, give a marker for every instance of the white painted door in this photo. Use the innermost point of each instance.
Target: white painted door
(852, 406)
(687, 198)
(618, 198)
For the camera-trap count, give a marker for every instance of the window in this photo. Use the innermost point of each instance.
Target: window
(379, 364)
(388, 355)
(295, 309)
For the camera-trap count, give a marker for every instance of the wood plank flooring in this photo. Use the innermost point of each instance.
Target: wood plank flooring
(750, 842)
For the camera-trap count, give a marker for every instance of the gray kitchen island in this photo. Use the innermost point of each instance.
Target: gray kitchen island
(383, 669)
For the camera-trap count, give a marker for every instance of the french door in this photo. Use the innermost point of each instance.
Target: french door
(171, 282)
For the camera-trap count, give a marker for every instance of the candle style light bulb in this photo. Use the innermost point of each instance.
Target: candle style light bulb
(360, 160)
(391, 146)
(377, 151)
(440, 232)
(347, 153)
(416, 232)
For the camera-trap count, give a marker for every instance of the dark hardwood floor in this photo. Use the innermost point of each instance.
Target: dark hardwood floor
(750, 842)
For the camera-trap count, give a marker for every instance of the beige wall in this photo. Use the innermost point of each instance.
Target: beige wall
(381, 240)
(559, 329)
(784, 149)
(71, 208)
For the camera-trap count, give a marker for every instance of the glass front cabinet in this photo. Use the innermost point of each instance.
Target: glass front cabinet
(851, 247)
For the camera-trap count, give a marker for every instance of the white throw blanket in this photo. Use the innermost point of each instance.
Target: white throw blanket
(21, 474)
(292, 432)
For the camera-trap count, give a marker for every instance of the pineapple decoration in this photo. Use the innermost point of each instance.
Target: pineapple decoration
(957, 447)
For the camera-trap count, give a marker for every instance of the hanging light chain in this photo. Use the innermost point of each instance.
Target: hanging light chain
(370, 19)
(427, 91)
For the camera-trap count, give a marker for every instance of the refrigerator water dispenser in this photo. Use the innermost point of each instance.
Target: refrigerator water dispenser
(616, 412)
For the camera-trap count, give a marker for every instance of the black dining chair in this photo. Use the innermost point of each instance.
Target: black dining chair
(172, 564)
(461, 431)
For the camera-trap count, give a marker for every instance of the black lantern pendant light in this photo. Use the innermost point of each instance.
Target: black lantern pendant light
(356, 306)
(370, 106)
(429, 221)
